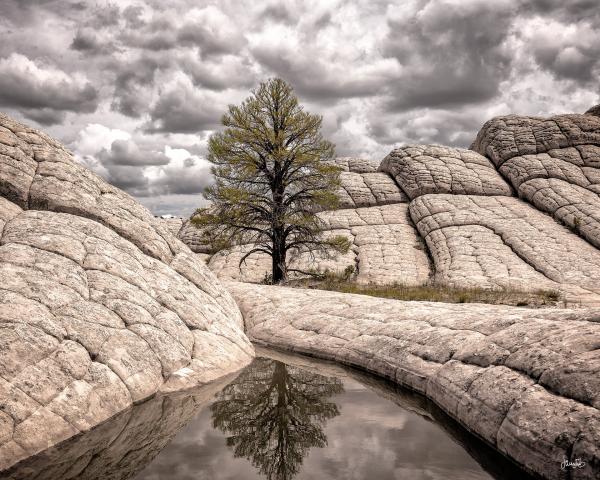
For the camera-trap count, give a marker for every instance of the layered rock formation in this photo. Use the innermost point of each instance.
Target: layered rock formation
(552, 163)
(429, 214)
(385, 246)
(174, 225)
(423, 169)
(525, 381)
(100, 305)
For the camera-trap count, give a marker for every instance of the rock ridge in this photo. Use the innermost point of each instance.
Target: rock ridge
(101, 306)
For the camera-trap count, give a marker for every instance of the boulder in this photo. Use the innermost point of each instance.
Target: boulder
(100, 304)
(423, 169)
(553, 163)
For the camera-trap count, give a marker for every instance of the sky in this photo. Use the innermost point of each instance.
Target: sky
(135, 88)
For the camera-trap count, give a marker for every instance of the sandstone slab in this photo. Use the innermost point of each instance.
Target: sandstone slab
(99, 302)
(554, 163)
(502, 241)
(368, 189)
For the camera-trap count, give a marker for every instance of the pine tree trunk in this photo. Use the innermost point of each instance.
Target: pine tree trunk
(279, 250)
(279, 260)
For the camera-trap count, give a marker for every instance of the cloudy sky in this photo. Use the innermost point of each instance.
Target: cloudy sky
(135, 87)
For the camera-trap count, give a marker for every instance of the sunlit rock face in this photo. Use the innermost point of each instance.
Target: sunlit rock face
(101, 306)
(524, 380)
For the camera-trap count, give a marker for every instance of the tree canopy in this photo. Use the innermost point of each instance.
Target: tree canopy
(273, 173)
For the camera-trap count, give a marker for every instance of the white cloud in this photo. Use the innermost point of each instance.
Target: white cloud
(95, 137)
(155, 76)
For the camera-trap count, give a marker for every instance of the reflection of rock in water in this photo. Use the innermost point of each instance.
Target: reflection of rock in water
(121, 447)
(493, 462)
(274, 414)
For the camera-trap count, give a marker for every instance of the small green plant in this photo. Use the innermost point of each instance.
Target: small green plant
(348, 272)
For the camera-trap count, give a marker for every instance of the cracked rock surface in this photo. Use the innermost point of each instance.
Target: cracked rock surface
(551, 162)
(101, 306)
(121, 447)
(502, 241)
(368, 189)
(173, 224)
(385, 249)
(526, 381)
(192, 237)
(423, 169)
(357, 165)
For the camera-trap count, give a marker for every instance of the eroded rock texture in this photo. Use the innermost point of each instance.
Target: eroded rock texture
(553, 163)
(173, 224)
(502, 242)
(357, 165)
(368, 189)
(498, 242)
(423, 169)
(100, 305)
(192, 237)
(386, 249)
(526, 381)
(122, 447)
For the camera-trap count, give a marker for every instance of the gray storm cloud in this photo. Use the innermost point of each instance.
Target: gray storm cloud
(136, 87)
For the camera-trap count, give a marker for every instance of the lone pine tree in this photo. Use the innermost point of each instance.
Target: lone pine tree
(272, 176)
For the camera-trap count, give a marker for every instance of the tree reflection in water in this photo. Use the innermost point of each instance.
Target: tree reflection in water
(274, 414)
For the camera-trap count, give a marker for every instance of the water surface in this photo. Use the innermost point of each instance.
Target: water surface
(280, 420)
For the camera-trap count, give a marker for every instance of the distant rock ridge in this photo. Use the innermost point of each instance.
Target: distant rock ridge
(594, 111)
(101, 306)
(466, 218)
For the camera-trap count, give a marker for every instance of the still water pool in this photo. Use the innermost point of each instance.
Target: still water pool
(282, 418)
(295, 418)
